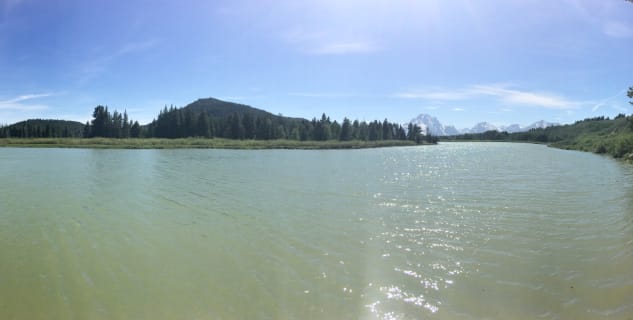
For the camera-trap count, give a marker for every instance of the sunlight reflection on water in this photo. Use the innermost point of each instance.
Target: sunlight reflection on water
(451, 231)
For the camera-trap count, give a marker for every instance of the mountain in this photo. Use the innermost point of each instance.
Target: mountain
(451, 130)
(436, 128)
(512, 128)
(518, 128)
(482, 127)
(540, 125)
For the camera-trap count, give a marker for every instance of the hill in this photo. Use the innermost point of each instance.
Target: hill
(38, 128)
(210, 117)
(216, 108)
(216, 118)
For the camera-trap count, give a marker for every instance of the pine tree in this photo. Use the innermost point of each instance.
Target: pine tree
(203, 127)
(346, 130)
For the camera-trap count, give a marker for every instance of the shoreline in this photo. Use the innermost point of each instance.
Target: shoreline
(197, 143)
(628, 158)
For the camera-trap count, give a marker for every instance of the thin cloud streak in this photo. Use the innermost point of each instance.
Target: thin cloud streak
(607, 100)
(618, 29)
(97, 66)
(544, 100)
(137, 46)
(27, 97)
(340, 48)
(17, 102)
(319, 95)
(327, 43)
(501, 92)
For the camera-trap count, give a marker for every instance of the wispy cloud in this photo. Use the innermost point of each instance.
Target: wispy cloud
(436, 94)
(327, 43)
(19, 103)
(609, 101)
(349, 47)
(537, 99)
(94, 67)
(320, 94)
(458, 109)
(500, 92)
(618, 29)
(136, 46)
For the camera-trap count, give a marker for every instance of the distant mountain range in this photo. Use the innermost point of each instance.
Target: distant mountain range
(436, 128)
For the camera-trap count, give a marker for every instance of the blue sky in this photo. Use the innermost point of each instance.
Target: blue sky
(463, 61)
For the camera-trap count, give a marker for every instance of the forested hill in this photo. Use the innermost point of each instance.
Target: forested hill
(210, 118)
(43, 128)
(215, 118)
(216, 108)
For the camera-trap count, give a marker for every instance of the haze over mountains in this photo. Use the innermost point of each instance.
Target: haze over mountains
(436, 128)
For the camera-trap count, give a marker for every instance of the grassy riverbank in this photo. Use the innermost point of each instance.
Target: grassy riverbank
(195, 143)
(600, 135)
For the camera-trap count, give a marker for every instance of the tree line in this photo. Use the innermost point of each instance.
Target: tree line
(597, 134)
(111, 125)
(184, 122)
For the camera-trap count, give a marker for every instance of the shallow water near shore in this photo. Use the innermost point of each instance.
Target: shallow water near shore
(457, 230)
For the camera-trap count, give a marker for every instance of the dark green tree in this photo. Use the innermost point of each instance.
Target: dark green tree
(387, 130)
(135, 130)
(99, 122)
(204, 128)
(414, 132)
(86, 132)
(125, 131)
(249, 126)
(346, 130)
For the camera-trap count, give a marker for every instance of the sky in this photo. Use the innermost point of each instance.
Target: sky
(462, 61)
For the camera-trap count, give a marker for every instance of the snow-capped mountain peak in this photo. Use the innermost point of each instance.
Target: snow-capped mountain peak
(432, 125)
(482, 127)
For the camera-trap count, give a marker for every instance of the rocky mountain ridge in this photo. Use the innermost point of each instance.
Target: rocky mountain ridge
(436, 128)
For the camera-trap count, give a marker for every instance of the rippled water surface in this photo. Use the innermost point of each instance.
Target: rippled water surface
(481, 230)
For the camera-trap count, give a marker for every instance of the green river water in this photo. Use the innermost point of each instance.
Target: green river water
(453, 231)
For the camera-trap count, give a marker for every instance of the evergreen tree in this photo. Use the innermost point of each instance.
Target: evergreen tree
(346, 130)
(125, 133)
(204, 128)
(249, 126)
(387, 132)
(135, 130)
(99, 122)
(86, 132)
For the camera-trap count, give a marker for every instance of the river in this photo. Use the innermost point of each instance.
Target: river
(453, 231)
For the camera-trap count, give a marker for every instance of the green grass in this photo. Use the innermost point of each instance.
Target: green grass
(604, 136)
(194, 143)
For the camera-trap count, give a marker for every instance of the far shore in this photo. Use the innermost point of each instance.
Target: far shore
(195, 143)
(628, 157)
